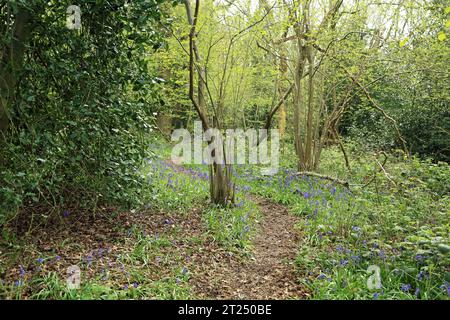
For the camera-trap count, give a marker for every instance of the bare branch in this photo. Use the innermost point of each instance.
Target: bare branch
(324, 177)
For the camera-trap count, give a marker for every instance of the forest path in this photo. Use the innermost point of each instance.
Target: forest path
(267, 274)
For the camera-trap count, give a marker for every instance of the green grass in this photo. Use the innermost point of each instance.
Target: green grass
(180, 188)
(133, 273)
(396, 227)
(171, 189)
(400, 226)
(232, 227)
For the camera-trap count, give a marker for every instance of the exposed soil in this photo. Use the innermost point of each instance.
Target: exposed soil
(267, 274)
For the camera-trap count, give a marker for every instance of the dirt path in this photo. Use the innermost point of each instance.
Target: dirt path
(267, 274)
(214, 273)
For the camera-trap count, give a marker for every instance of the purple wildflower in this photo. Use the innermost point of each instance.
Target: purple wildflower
(405, 287)
(446, 287)
(89, 259)
(422, 274)
(333, 191)
(356, 259)
(417, 292)
(22, 271)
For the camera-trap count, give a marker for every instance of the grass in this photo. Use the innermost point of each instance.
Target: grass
(399, 224)
(232, 227)
(134, 272)
(180, 188)
(402, 226)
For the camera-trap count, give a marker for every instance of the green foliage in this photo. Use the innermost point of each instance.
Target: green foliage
(409, 82)
(181, 188)
(174, 188)
(83, 110)
(232, 227)
(403, 229)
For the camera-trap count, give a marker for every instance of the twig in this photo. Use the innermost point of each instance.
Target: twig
(377, 107)
(341, 146)
(385, 173)
(375, 173)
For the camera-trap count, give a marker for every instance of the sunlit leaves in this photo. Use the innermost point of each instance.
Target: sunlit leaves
(403, 42)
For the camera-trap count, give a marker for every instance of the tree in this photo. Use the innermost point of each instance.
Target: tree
(11, 58)
(76, 105)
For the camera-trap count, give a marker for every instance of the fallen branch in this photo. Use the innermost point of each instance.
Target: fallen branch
(375, 173)
(321, 176)
(385, 173)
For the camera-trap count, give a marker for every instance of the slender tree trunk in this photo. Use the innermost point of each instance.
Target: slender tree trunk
(221, 185)
(281, 91)
(309, 151)
(307, 138)
(298, 95)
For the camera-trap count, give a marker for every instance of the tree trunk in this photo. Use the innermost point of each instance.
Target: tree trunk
(310, 132)
(11, 60)
(221, 186)
(298, 97)
(281, 90)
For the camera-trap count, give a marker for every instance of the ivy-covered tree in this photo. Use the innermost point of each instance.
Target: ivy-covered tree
(75, 103)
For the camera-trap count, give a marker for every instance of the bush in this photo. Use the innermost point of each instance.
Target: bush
(425, 130)
(83, 108)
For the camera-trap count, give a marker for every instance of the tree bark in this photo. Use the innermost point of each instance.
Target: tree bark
(221, 185)
(11, 61)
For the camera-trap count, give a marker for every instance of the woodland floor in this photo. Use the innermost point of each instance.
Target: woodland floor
(266, 272)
